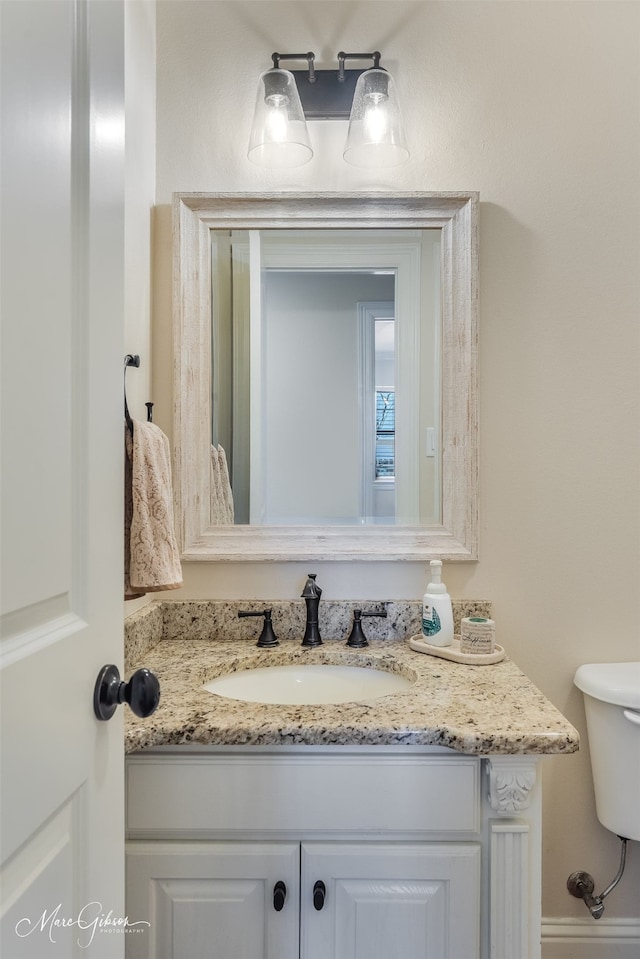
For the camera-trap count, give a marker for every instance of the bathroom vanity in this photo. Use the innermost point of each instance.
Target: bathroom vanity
(310, 851)
(403, 827)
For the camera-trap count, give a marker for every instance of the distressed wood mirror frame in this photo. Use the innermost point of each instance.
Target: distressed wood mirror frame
(456, 215)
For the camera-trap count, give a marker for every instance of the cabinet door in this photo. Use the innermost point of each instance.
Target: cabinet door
(212, 900)
(391, 901)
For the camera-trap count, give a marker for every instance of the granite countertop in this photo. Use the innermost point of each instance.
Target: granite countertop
(472, 709)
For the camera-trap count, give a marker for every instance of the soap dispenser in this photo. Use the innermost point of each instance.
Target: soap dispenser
(437, 612)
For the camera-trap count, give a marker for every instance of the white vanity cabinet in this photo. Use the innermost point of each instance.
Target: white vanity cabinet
(376, 900)
(384, 853)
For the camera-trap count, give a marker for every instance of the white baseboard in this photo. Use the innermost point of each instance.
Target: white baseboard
(590, 938)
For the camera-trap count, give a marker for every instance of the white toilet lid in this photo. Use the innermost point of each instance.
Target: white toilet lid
(617, 683)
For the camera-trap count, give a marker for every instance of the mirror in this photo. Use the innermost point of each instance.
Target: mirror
(376, 456)
(336, 335)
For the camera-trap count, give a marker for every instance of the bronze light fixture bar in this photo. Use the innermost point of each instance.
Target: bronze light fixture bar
(326, 94)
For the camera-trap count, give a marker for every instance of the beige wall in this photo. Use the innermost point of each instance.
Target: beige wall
(536, 106)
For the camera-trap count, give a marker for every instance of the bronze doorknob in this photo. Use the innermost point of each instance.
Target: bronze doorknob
(142, 692)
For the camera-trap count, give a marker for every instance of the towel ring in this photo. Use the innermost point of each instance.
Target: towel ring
(133, 359)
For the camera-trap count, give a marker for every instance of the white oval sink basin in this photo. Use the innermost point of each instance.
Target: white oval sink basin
(308, 685)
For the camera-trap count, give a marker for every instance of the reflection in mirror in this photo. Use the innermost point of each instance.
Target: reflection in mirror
(325, 376)
(340, 447)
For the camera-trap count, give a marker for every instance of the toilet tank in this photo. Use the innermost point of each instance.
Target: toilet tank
(612, 706)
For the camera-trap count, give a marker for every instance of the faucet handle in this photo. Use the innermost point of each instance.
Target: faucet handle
(357, 638)
(267, 636)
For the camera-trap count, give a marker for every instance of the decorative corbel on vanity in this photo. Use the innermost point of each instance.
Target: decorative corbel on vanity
(510, 785)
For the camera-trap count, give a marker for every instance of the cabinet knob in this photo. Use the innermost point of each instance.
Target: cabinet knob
(279, 895)
(319, 892)
(142, 692)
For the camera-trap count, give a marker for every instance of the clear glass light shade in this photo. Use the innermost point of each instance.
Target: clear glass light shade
(376, 136)
(279, 136)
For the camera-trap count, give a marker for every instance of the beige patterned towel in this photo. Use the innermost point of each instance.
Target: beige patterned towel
(152, 560)
(222, 511)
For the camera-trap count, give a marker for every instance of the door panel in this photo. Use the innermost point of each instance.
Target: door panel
(213, 900)
(383, 900)
(209, 917)
(45, 863)
(391, 917)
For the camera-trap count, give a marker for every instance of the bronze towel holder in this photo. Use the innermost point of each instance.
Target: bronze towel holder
(133, 359)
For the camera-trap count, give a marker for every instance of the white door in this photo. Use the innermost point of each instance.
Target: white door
(390, 901)
(62, 358)
(207, 900)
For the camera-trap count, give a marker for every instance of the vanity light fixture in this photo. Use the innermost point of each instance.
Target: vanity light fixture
(287, 99)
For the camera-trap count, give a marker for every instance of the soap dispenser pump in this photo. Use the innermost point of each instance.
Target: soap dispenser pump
(437, 612)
